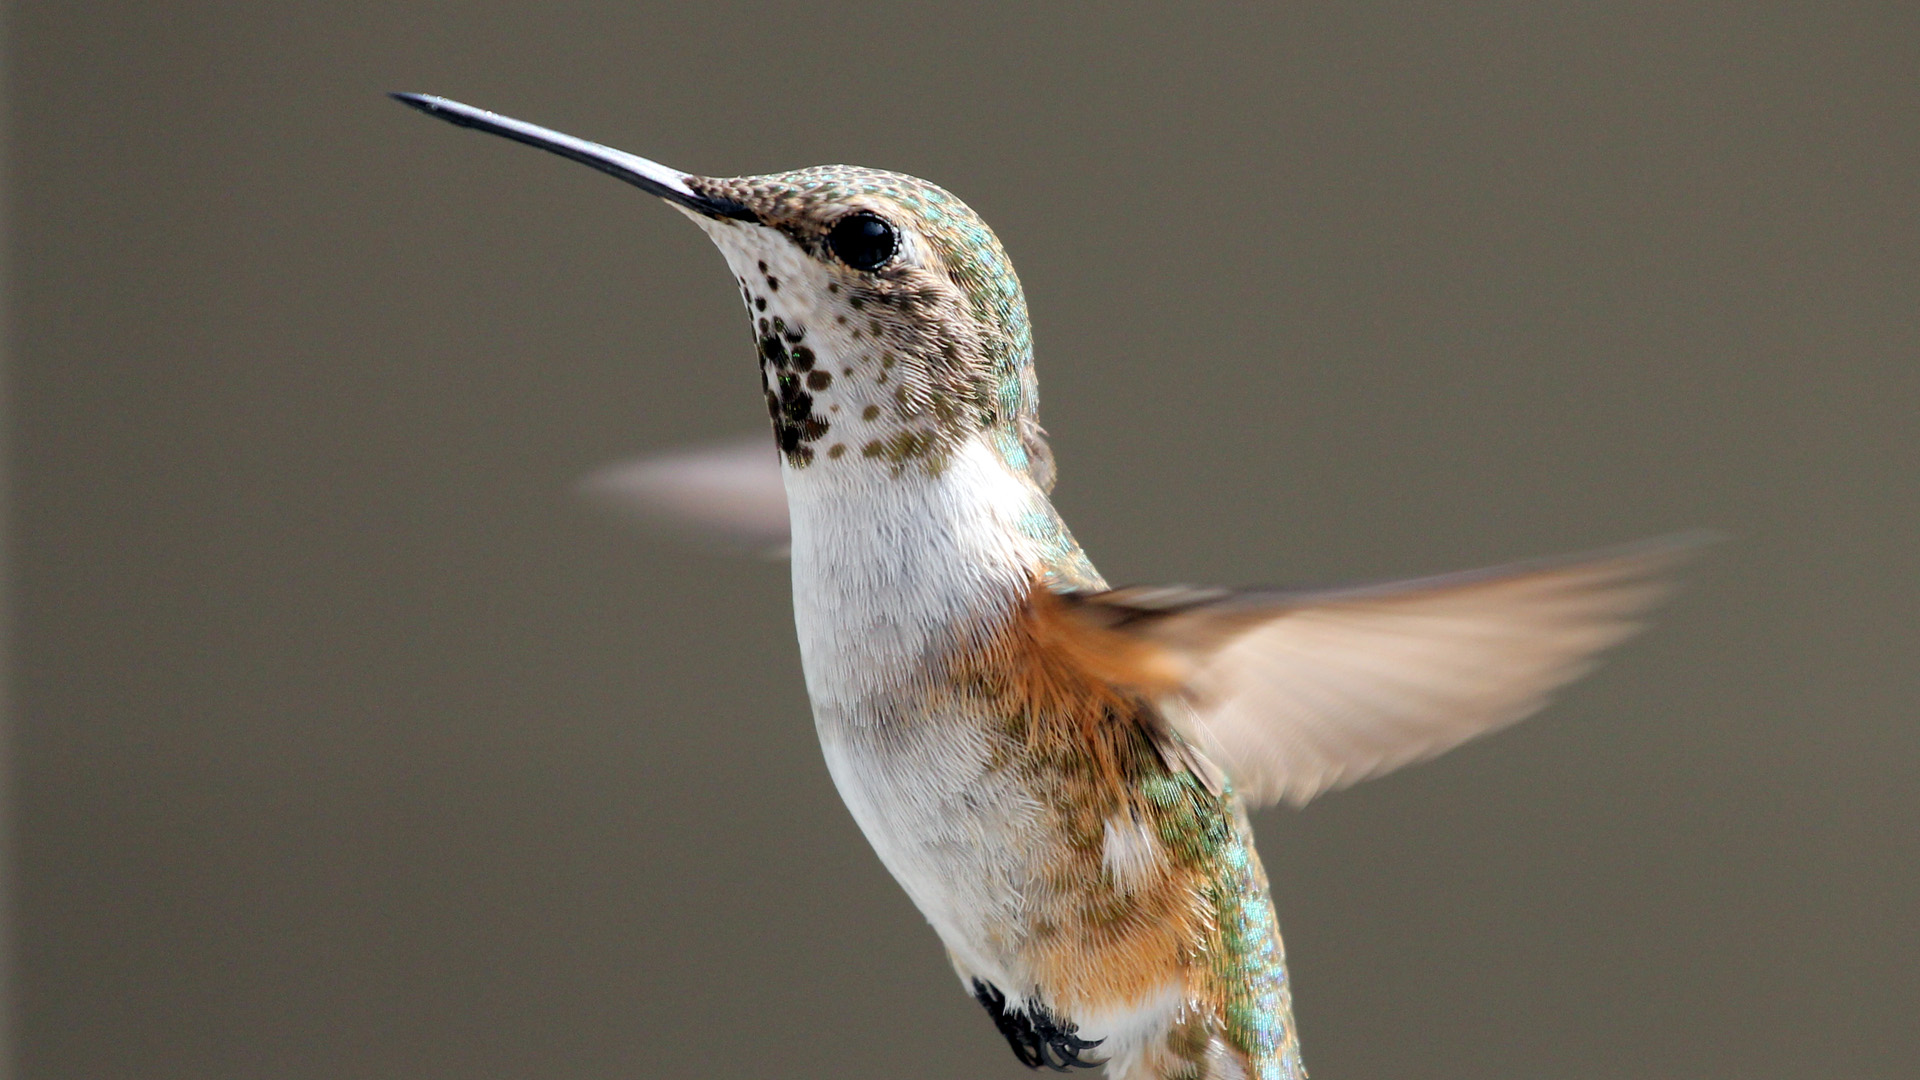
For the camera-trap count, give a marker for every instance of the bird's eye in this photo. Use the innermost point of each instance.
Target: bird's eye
(862, 241)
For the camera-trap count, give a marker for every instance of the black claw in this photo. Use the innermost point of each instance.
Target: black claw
(1036, 1035)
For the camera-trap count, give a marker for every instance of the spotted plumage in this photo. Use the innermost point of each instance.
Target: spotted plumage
(1056, 772)
(962, 311)
(790, 382)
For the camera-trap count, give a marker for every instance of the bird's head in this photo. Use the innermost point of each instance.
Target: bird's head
(888, 321)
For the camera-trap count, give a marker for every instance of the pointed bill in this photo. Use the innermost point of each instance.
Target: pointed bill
(730, 492)
(649, 176)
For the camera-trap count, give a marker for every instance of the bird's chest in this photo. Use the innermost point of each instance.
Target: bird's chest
(889, 571)
(1039, 868)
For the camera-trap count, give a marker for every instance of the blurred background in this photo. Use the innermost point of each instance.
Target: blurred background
(347, 742)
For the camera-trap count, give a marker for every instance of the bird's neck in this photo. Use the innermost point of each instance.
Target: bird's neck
(891, 566)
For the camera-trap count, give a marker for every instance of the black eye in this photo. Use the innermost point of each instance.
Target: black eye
(862, 241)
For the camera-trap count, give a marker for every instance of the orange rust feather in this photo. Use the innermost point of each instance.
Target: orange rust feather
(1078, 706)
(1073, 689)
(1113, 657)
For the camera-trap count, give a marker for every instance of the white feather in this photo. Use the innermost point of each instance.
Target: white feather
(1130, 853)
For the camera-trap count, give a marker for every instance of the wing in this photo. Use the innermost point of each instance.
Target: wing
(1295, 693)
(731, 492)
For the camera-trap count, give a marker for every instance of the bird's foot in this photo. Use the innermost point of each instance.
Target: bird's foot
(1037, 1036)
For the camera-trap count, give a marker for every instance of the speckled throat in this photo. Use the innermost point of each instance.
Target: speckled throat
(942, 327)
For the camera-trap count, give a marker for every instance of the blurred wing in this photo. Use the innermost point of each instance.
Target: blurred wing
(731, 492)
(1296, 693)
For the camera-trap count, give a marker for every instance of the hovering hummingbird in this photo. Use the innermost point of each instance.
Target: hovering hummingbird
(1059, 772)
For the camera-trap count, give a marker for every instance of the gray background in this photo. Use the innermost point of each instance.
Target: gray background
(350, 744)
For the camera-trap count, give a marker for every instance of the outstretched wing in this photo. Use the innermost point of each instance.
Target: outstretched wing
(1295, 693)
(731, 492)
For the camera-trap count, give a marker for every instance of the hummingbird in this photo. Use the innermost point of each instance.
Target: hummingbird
(1056, 771)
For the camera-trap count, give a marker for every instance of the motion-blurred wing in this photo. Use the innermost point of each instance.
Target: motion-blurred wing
(731, 492)
(1296, 693)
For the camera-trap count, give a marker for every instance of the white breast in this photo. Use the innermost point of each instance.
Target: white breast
(884, 568)
(890, 560)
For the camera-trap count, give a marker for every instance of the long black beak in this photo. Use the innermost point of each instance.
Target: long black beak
(649, 176)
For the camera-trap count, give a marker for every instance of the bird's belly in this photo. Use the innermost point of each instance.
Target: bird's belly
(960, 832)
